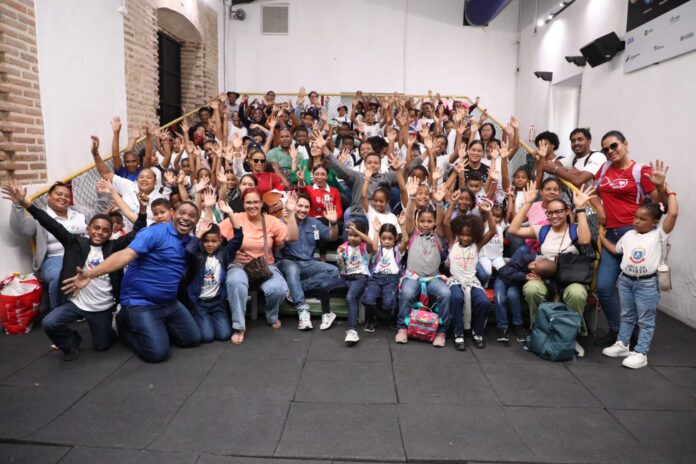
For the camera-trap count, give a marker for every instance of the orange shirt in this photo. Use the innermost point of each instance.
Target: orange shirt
(252, 246)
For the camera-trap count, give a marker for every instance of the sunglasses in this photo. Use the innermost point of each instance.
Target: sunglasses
(258, 160)
(611, 147)
(558, 212)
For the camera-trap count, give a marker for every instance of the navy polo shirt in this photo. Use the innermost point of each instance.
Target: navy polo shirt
(302, 249)
(154, 277)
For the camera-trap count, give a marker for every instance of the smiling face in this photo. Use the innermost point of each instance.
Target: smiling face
(320, 177)
(258, 162)
(131, 162)
(211, 243)
(302, 209)
(422, 196)
(161, 214)
(185, 218)
(580, 144)
(372, 163)
(354, 239)
(380, 201)
(465, 237)
(426, 222)
(464, 202)
(285, 139)
(99, 231)
(365, 148)
(475, 153)
(643, 222)
(551, 191)
(616, 150)
(246, 183)
(59, 199)
(252, 205)
(146, 181)
(556, 213)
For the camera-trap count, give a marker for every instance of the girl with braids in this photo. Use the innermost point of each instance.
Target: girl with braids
(641, 251)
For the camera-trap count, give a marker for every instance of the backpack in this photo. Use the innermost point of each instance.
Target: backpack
(423, 321)
(637, 167)
(554, 332)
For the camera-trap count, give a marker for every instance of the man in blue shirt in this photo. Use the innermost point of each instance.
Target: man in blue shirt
(301, 271)
(150, 312)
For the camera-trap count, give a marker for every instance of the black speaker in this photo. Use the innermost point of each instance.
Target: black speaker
(602, 49)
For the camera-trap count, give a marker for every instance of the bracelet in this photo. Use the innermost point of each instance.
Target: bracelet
(331, 223)
(672, 193)
(411, 197)
(578, 210)
(439, 204)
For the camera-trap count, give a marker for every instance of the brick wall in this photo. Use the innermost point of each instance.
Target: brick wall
(22, 149)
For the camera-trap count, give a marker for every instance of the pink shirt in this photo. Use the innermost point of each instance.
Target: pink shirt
(536, 217)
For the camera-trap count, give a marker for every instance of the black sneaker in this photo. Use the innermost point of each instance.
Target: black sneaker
(606, 340)
(503, 336)
(521, 333)
(74, 350)
(460, 343)
(371, 325)
(479, 342)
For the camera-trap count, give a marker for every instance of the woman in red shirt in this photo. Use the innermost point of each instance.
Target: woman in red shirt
(267, 180)
(321, 194)
(615, 184)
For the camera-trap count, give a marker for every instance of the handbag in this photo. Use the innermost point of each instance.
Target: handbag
(574, 269)
(664, 275)
(20, 297)
(257, 269)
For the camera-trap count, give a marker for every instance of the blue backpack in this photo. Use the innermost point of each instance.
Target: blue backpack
(554, 332)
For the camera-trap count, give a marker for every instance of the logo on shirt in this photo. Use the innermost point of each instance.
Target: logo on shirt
(638, 255)
(618, 184)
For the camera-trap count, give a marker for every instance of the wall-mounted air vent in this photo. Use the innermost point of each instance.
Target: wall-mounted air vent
(274, 19)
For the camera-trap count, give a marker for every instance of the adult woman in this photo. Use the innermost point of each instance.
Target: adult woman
(48, 257)
(263, 234)
(620, 198)
(302, 169)
(267, 181)
(235, 188)
(558, 240)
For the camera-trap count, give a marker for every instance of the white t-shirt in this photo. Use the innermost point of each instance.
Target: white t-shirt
(373, 130)
(211, 278)
(556, 242)
(355, 264)
(494, 248)
(463, 262)
(98, 295)
(641, 252)
(591, 163)
(387, 263)
(129, 191)
(75, 223)
(232, 129)
(384, 218)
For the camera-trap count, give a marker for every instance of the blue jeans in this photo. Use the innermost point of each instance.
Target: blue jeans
(505, 295)
(50, 275)
(411, 290)
(480, 305)
(55, 324)
(515, 241)
(385, 286)
(147, 329)
(303, 276)
(481, 274)
(356, 286)
(213, 320)
(607, 273)
(274, 290)
(639, 300)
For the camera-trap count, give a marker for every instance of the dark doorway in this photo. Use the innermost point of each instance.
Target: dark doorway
(169, 78)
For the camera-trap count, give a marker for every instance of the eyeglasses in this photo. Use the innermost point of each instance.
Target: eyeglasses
(258, 160)
(252, 203)
(557, 212)
(611, 147)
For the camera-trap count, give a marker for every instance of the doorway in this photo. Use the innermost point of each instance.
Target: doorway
(169, 78)
(565, 110)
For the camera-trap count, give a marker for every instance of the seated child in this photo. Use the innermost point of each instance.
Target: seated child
(492, 253)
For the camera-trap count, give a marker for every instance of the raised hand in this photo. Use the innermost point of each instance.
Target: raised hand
(116, 124)
(485, 205)
(514, 123)
(104, 186)
(169, 177)
(412, 186)
(15, 192)
(143, 199)
(221, 175)
(345, 155)
(455, 195)
(202, 184)
(437, 174)
(191, 148)
(543, 148)
(95, 145)
(224, 207)
(237, 141)
(181, 178)
(293, 151)
(185, 125)
(203, 227)
(402, 218)
(134, 133)
(376, 224)
(493, 173)
(395, 161)
(209, 198)
(330, 213)
(439, 194)
(291, 202)
(530, 192)
(659, 173)
(368, 174)
(581, 197)
(505, 150)
(319, 141)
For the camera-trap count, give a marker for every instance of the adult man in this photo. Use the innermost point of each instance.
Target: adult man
(150, 312)
(301, 271)
(280, 155)
(585, 164)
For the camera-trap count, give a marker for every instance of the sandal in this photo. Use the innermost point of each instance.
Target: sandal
(237, 337)
(276, 325)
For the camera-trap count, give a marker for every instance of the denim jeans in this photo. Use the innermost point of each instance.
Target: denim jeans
(505, 296)
(50, 275)
(607, 273)
(147, 329)
(356, 286)
(302, 276)
(480, 305)
(515, 242)
(55, 324)
(213, 320)
(411, 290)
(384, 286)
(639, 300)
(274, 290)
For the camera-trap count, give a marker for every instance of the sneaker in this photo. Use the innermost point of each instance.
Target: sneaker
(606, 340)
(327, 320)
(401, 336)
(305, 320)
(479, 342)
(503, 336)
(579, 350)
(371, 325)
(521, 333)
(440, 340)
(74, 350)
(617, 350)
(635, 360)
(460, 343)
(352, 337)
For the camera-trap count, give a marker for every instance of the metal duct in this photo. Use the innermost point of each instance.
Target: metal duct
(482, 12)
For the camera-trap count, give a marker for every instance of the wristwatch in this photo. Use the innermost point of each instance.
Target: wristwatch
(578, 210)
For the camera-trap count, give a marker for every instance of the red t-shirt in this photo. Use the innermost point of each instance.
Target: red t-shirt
(618, 191)
(322, 197)
(268, 181)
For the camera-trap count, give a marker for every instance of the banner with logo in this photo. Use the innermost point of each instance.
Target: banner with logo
(658, 30)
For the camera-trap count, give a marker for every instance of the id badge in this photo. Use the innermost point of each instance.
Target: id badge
(316, 234)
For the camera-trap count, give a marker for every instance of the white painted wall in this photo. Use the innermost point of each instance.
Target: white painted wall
(82, 79)
(408, 46)
(653, 107)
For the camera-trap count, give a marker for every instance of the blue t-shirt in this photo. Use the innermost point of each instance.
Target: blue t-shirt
(121, 172)
(154, 277)
(302, 249)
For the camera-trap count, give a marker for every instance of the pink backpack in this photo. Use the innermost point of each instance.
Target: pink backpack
(422, 323)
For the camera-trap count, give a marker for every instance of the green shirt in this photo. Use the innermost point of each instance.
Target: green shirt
(282, 157)
(331, 178)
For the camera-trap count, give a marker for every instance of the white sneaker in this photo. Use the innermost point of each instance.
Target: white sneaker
(579, 350)
(326, 320)
(352, 337)
(305, 320)
(617, 350)
(635, 360)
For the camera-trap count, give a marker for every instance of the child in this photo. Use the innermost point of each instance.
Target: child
(638, 288)
(117, 229)
(385, 272)
(207, 292)
(378, 208)
(508, 289)
(463, 203)
(423, 264)
(353, 265)
(492, 253)
(162, 211)
(463, 257)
